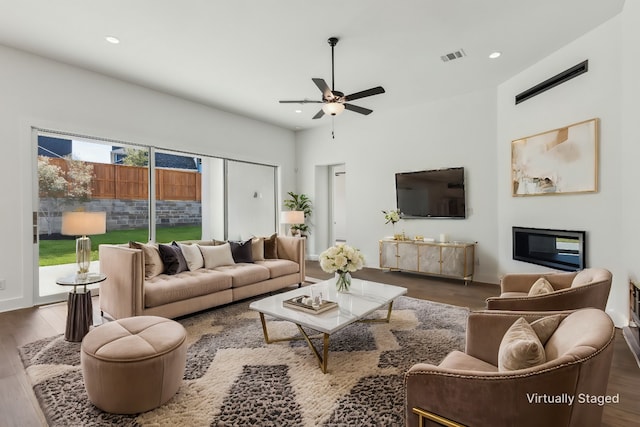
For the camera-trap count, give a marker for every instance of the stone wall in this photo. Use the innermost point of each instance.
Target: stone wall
(125, 214)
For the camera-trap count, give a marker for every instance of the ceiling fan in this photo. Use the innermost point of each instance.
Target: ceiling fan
(335, 102)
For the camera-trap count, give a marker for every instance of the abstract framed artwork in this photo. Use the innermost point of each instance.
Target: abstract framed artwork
(559, 161)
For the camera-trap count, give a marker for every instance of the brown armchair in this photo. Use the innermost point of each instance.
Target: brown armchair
(469, 389)
(587, 288)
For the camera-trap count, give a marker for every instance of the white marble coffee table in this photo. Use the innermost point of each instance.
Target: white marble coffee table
(363, 298)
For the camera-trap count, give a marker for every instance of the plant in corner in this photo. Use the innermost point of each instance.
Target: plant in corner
(300, 202)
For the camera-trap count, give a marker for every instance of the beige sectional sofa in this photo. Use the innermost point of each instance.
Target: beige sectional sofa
(130, 289)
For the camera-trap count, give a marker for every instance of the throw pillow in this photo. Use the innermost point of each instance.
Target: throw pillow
(545, 327)
(216, 256)
(153, 265)
(540, 287)
(192, 255)
(520, 348)
(271, 247)
(172, 259)
(257, 249)
(241, 251)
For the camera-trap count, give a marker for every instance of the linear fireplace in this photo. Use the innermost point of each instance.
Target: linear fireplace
(559, 249)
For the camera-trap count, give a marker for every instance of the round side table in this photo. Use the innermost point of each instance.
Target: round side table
(79, 306)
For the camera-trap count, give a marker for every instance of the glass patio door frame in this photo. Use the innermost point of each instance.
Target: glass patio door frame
(35, 133)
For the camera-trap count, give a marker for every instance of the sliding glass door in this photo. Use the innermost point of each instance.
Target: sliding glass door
(77, 174)
(147, 194)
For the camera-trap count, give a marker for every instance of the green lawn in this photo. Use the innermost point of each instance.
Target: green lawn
(54, 252)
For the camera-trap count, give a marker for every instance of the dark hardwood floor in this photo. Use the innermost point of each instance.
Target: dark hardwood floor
(19, 407)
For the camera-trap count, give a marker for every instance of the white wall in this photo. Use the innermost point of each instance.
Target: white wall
(43, 93)
(629, 165)
(251, 200)
(455, 132)
(596, 93)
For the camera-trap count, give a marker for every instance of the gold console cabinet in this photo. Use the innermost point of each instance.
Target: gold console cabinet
(450, 259)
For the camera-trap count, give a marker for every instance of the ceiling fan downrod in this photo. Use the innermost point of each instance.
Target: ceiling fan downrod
(333, 41)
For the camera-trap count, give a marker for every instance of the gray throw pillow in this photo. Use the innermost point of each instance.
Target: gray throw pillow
(241, 251)
(172, 259)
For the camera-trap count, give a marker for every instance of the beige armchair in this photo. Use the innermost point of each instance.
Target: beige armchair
(586, 288)
(469, 389)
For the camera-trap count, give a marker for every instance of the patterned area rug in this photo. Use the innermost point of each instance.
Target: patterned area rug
(233, 378)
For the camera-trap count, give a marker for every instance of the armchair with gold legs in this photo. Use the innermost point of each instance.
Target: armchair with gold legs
(479, 387)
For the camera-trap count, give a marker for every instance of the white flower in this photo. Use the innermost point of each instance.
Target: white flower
(341, 257)
(391, 216)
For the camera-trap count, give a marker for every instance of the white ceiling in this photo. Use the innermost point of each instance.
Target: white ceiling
(243, 56)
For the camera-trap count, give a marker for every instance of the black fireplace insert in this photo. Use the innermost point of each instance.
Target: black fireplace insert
(560, 249)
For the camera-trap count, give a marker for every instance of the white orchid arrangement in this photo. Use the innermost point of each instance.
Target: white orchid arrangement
(392, 216)
(341, 258)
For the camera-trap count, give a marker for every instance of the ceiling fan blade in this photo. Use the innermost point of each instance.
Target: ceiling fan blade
(357, 109)
(302, 101)
(322, 85)
(319, 114)
(369, 92)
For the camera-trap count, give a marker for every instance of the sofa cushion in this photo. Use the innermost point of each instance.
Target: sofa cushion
(257, 249)
(513, 294)
(540, 287)
(244, 274)
(462, 361)
(271, 247)
(241, 251)
(520, 348)
(164, 289)
(172, 259)
(215, 256)
(192, 255)
(279, 267)
(153, 265)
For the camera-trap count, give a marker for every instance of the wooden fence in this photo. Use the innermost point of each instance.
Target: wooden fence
(132, 182)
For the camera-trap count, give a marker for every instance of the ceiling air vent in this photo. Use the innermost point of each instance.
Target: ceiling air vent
(453, 55)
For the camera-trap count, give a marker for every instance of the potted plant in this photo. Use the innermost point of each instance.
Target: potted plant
(299, 202)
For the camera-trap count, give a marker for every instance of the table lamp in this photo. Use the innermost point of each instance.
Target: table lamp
(292, 218)
(83, 224)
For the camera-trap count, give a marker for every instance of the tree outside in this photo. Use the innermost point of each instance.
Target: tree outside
(136, 157)
(61, 189)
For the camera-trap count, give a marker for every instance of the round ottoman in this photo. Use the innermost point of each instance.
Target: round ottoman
(135, 364)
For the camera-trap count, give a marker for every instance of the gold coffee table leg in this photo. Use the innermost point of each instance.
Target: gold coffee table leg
(322, 359)
(384, 319)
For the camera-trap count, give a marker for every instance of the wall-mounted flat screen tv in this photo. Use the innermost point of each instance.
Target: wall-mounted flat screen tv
(435, 193)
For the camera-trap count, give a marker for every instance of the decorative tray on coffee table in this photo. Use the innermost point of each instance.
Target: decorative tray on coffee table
(297, 304)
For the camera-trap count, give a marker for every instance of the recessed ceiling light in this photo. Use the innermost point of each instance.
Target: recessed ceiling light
(298, 111)
(112, 39)
(495, 55)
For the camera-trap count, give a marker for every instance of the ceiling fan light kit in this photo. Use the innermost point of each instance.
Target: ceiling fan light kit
(333, 101)
(333, 108)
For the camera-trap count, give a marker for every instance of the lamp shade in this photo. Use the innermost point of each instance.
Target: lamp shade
(84, 223)
(292, 217)
(333, 108)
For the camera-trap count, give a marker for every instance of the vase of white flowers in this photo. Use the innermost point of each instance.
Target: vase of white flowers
(342, 260)
(392, 216)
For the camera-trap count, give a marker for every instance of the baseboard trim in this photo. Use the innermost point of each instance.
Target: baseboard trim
(631, 337)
